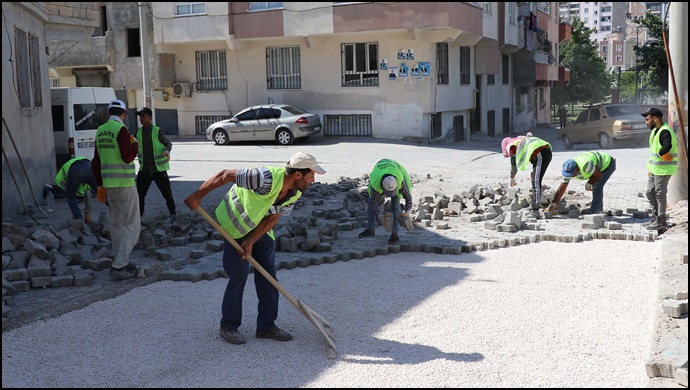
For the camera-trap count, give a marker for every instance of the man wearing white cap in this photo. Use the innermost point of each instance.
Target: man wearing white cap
(114, 170)
(388, 178)
(248, 213)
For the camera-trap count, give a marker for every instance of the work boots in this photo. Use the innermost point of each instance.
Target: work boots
(659, 223)
(533, 214)
(652, 219)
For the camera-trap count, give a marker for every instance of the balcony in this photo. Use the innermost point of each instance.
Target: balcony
(563, 76)
(565, 32)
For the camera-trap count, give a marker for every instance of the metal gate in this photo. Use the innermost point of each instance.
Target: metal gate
(202, 122)
(347, 125)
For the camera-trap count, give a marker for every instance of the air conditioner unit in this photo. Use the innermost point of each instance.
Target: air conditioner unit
(182, 89)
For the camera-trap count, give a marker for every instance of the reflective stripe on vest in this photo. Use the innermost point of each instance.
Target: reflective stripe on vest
(158, 150)
(388, 167)
(114, 171)
(525, 149)
(241, 210)
(657, 165)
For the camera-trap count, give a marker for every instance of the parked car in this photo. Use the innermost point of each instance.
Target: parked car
(604, 123)
(280, 122)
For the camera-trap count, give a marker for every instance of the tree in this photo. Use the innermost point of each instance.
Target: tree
(652, 55)
(627, 84)
(589, 80)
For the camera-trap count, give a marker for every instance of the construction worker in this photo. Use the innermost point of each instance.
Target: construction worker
(248, 213)
(73, 180)
(154, 160)
(596, 168)
(387, 179)
(522, 152)
(114, 170)
(663, 162)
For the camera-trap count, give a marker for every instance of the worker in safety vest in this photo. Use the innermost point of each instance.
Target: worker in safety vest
(114, 170)
(596, 168)
(248, 213)
(662, 163)
(524, 151)
(154, 160)
(74, 180)
(388, 179)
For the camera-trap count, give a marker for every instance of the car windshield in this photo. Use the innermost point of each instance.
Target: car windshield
(294, 110)
(622, 110)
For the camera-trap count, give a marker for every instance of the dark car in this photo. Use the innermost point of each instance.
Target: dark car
(280, 122)
(604, 123)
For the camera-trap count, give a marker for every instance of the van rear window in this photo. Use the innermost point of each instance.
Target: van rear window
(89, 116)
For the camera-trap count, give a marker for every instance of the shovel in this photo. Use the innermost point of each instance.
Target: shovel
(322, 325)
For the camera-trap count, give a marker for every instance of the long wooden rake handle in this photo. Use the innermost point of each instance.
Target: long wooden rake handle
(322, 325)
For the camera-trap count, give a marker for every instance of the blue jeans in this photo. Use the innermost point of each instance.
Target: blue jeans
(598, 187)
(264, 252)
(79, 173)
(395, 207)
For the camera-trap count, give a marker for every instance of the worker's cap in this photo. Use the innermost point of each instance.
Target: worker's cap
(569, 168)
(653, 111)
(303, 160)
(146, 111)
(117, 104)
(390, 186)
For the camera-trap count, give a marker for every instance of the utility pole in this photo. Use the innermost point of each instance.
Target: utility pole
(145, 59)
(677, 46)
(637, 59)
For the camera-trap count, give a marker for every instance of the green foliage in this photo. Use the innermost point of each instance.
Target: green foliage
(652, 59)
(627, 84)
(589, 80)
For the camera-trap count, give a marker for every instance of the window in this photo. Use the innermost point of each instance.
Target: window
(505, 70)
(487, 7)
(511, 12)
(594, 115)
(360, 64)
(490, 79)
(442, 63)
(190, 8)
(464, 65)
(133, 46)
(619, 58)
(211, 71)
(28, 69)
(283, 68)
(256, 6)
(619, 47)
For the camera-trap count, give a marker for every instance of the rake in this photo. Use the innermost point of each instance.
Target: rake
(321, 325)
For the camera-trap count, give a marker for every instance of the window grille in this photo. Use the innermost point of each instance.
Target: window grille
(347, 125)
(442, 63)
(283, 68)
(211, 71)
(28, 69)
(360, 64)
(464, 65)
(202, 122)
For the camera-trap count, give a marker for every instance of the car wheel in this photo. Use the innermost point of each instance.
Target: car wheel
(220, 137)
(567, 142)
(285, 137)
(605, 141)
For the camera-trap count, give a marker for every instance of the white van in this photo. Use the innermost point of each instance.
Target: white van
(77, 113)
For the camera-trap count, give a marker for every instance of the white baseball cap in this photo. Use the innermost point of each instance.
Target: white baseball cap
(390, 186)
(303, 160)
(117, 104)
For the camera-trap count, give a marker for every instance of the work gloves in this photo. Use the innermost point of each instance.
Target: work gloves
(666, 157)
(513, 183)
(102, 195)
(551, 208)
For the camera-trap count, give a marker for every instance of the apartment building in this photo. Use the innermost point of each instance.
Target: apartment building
(602, 17)
(27, 135)
(431, 72)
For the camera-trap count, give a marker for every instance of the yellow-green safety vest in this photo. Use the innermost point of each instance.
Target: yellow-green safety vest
(525, 147)
(158, 150)
(388, 167)
(242, 209)
(657, 165)
(600, 161)
(61, 177)
(114, 171)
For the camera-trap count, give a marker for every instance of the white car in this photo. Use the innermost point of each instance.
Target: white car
(280, 122)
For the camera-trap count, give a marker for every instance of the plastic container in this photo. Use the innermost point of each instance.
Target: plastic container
(51, 201)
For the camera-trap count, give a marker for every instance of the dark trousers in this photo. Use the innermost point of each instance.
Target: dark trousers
(162, 180)
(539, 164)
(237, 269)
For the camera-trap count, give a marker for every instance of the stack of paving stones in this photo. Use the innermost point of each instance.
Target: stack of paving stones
(322, 229)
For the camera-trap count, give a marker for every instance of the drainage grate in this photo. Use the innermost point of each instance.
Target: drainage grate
(344, 125)
(201, 123)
